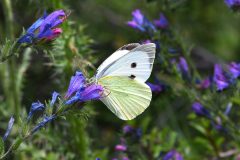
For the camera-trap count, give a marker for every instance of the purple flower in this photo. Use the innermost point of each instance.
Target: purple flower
(182, 65)
(200, 110)
(92, 92)
(234, 69)
(36, 106)
(43, 123)
(140, 22)
(228, 109)
(146, 41)
(233, 4)
(217, 124)
(77, 82)
(162, 22)
(155, 87)
(219, 78)
(169, 155)
(127, 129)
(44, 28)
(173, 155)
(204, 84)
(55, 95)
(9, 128)
(178, 156)
(120, 147)
(173, 50)
(138, 132)
(125, 158)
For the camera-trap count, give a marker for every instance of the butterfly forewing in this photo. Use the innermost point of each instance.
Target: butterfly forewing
(136, 64)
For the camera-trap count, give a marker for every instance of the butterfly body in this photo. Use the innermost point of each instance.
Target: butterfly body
(123, 77)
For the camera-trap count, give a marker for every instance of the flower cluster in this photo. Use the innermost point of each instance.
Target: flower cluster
(224, 79)
(221, 79)
(132, 139)
(140, 22)
(200, 110)
(161, 25)
(79, 91)
(173, 155)
(130, 135)
(233, 4)
(45, 28)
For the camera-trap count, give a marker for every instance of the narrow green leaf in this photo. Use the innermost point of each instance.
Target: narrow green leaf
(1, 146)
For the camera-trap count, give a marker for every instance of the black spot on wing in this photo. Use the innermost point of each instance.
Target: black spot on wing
(132, 76)
(134, 65)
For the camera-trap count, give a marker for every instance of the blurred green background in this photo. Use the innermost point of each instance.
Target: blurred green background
(96, 28)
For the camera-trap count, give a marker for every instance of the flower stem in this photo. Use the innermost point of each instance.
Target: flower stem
(7, 6)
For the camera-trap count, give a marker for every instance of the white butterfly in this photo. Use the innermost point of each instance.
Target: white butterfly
(123, 76)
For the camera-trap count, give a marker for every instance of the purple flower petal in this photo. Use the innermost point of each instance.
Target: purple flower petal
(44, 28)
(54, 98)
(146, 41)
(203, 84)
(125, 158)
(200, 110)
(43, 123)
(178, 156)
(155, 87)
(233, 4)
(27, 38)
(234, 69)
(53, 19)
(169, 155)
(120, 147)
(183, 66)
(219, 78)
(36, 106)
(138, 16)
(36, 24)
(9, 128)
(140, 22)
(77, 82)
(162, 22)
(127, 129)
(74, 98)
(228, 109)
(173, 155)
(92, 92)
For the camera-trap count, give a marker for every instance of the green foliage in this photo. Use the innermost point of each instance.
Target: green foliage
(1, 146)
(205, 32)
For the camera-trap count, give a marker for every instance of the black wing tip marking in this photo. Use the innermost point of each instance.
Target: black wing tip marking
(129, 47)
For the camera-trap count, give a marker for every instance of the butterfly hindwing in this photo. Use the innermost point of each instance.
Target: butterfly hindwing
(125, 97)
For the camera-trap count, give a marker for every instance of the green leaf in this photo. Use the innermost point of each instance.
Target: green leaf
(199, 128)
(17, 143)
(1, 146)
